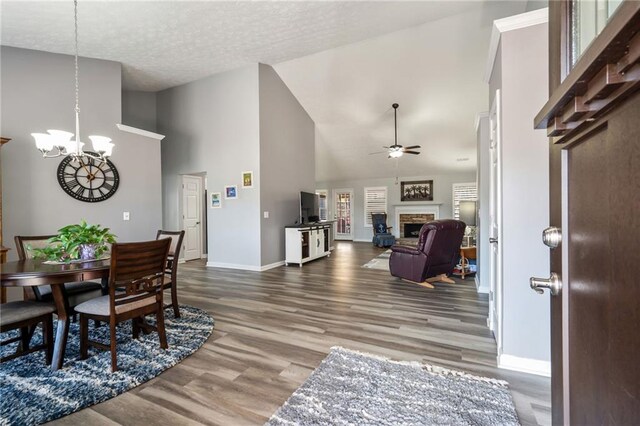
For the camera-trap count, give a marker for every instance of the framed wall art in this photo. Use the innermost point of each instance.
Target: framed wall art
(417, 190)
(216, 200)
(247, 180)
(231, 192)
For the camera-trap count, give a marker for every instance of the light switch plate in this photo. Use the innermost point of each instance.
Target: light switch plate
(125, 216)
(265, 215)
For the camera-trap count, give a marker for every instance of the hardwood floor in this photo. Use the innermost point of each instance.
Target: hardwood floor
(273, 328)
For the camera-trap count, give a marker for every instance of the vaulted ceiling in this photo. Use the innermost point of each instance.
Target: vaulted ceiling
(346, 62)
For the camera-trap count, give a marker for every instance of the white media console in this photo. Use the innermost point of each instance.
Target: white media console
(307, 242)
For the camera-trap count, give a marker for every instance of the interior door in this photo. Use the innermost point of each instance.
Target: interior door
(344, 214)
(495, 260)
(191, 216)
(593, 118)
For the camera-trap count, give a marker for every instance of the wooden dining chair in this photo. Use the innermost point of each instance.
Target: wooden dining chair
(136, 283)
(170, 281)
(23, 316)
(77, 292)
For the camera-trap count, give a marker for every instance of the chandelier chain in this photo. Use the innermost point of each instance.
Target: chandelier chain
(75, 17)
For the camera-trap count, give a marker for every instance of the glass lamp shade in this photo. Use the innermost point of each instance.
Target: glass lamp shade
(44, 141)
(395, 154)
(60, 138)
(73, 147)
(102, 145)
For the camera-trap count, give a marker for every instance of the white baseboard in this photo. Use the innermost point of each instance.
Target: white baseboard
(244, 267)
(524, 365)
(479, 287)
(181, 260)
(361, 240)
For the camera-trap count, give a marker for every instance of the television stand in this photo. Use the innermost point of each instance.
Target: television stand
(307, 242)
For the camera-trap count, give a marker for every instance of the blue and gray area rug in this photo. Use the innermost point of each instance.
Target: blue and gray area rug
(31, 393)
(351, 388)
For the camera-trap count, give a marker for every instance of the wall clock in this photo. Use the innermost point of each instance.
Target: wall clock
(87, 179)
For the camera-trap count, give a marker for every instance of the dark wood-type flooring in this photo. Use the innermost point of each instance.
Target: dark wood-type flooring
(273, 328)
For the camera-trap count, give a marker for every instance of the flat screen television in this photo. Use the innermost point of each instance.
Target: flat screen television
(309, 207)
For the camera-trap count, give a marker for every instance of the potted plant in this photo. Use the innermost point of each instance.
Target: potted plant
(78, 241)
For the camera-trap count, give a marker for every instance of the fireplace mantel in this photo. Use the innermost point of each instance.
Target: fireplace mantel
(414, 208)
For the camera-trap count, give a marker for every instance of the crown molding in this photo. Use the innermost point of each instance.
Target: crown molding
(523, 20)
(140, 132)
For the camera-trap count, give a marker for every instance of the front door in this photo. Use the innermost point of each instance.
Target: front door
(191, 216)
(344, 214)
(593, 116)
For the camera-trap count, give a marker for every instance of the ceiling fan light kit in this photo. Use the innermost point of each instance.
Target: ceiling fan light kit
(396, 150)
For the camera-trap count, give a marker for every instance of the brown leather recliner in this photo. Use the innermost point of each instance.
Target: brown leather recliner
(437, 251)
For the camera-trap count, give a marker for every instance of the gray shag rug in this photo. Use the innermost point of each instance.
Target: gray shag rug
(352, 388)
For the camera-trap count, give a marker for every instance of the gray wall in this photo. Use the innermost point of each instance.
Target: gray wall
(442, 193)
(212, 126)
(525, 191)
(287, 160)
(38, 94)
(484, 222)
(139, 109)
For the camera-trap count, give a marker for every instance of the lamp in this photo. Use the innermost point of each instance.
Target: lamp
(57, 143)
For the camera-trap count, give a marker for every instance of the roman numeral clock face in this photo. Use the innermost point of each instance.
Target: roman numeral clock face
(87, 179)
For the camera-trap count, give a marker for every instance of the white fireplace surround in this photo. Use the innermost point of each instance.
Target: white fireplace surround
(433, 209)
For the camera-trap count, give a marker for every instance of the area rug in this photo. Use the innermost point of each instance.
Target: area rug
(380, 262)
(32, 393)
(352, 388)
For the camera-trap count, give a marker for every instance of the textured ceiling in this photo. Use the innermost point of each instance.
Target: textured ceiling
(346, 62)
(166, 43)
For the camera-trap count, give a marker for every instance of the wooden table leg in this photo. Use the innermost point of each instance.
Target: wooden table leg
(62, 329)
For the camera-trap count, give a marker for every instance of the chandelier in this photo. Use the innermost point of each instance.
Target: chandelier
(57, 143)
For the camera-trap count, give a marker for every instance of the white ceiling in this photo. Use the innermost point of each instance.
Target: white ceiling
(434, 71)
(346, 62)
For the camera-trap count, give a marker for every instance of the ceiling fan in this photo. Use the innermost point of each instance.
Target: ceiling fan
(396, 150)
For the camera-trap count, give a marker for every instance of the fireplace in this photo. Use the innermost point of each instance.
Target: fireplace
(409, 219)
(412, 230)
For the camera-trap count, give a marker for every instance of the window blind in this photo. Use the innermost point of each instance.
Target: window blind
(375, 201)
(323, 208)
(463, 192)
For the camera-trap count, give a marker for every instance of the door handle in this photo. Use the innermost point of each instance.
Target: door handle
(197, 223)
(553, 284)
(552, 237)
(493, 241)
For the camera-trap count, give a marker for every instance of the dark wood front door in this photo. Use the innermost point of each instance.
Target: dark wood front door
(593, 120)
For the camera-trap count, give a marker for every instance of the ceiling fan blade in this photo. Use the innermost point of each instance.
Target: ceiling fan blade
(412, 152)
(386, 147)
(412, 147)
(379, 152)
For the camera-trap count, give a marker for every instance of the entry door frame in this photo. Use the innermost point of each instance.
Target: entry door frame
(495, 218)
(343, 236)
(184, 180)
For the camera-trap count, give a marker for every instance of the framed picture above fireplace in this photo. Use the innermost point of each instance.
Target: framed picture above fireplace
(417, 190)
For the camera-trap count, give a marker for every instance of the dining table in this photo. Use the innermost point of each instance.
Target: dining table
(31, 272)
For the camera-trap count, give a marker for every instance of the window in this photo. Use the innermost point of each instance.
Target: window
(463, 192)
(323, 203)
(375, 201)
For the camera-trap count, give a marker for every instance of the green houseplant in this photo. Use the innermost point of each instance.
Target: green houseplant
(78, 241)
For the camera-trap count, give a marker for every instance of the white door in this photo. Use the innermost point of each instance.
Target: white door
(495, 218)
(191, 216)
(344, 214)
